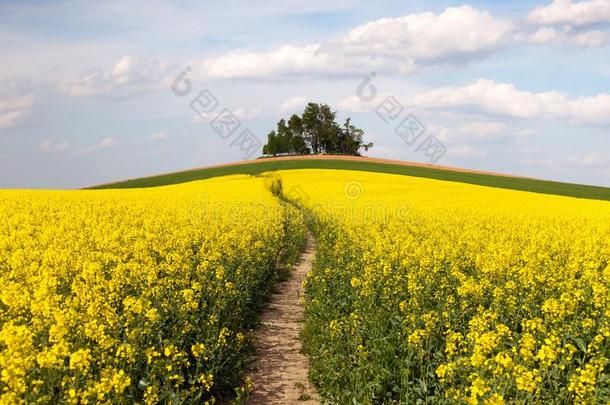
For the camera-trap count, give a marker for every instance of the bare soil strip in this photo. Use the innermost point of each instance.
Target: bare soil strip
(279, 368)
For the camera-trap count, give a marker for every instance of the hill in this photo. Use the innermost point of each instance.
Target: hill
(258, 166)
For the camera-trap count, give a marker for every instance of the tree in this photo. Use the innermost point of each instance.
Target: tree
(351, 139)
(283, 137)
(315, 131)
(298, 143)
(271, 147)
(311, 124)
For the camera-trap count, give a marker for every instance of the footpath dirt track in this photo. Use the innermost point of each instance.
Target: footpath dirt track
(279, 368)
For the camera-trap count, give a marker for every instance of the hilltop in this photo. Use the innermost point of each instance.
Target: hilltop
(371, 164)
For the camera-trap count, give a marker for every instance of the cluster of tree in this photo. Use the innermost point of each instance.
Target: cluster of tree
(315, 131)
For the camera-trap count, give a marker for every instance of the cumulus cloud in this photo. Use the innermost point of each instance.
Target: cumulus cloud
(565, 22)
(589, 38)
(398, 45)
(8, 119)
(565, 12)
(505, 99)
(104, 144)
(483, 129)
(159, 136)
(15, 102)
(293, 104)
(543, 35)
(248, 113)
(489, 97)
(566, 35)
(128, 75)
(473, 131)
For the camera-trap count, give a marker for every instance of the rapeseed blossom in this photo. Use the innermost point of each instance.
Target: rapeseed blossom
(121, 296)
(517, 285)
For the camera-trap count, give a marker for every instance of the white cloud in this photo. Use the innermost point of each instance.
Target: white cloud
(427, 36)
(565, 22)
(9, 118)
(389, 44)
(128, 75)
(16, 103)
(13, 108)
(159, 136)
(474, 131)
(546, 35)
(247, 113)
(123, 67)
(565, 12)
(590, 38)
(293, 104)
(48, 146)
(484, 129)
(489, 97)
(104, 144)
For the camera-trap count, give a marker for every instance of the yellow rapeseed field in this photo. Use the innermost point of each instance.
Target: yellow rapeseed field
(427, 291)
(136, 295)
(422, 291)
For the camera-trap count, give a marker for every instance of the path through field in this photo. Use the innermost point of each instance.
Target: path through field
(279, 369)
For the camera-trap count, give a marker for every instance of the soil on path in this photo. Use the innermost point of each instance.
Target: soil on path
(279, 368)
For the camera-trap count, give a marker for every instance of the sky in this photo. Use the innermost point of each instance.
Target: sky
(92, 92)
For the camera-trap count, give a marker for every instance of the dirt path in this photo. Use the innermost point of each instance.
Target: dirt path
(279, 369)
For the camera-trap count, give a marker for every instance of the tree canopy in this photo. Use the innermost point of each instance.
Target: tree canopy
(313, 132)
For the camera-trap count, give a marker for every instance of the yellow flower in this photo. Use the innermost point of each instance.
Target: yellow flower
(527, 380)
(222, 336)
(206, 381)
(494, 399)
(527, 346)
(415, 338)
(169, 351)
(478, 388)
(504, 360)
(334, 328)
(79, 360)
(583, 381)
(554, 309)
(548, 351)
(445, 371)
(152, 314)
(198, 350)
(103, 279)
(120, 381)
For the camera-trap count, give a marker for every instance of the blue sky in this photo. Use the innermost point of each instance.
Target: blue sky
(86, 97)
